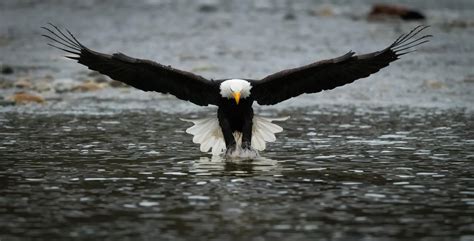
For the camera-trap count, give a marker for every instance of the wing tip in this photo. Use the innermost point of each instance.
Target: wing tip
(405, 43)
(62, 41)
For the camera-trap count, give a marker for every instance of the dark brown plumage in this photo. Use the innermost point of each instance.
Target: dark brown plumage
(331, 73)
(139, 73)
(151, 76)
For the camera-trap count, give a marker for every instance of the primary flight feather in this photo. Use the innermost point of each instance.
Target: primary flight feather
(235, 129)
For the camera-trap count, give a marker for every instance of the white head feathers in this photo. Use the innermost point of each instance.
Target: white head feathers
(231, 86)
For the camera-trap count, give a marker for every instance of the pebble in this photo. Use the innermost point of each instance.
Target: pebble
(324, 11)
(207, 6)
(24, 98)
(380, 11)
(117, 84)
(23, 83)
(6, 69)
(87, 87)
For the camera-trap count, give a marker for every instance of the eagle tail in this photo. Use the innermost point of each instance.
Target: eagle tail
(207, 132)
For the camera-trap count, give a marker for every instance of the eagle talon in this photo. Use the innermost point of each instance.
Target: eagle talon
(231, 150)
(247, 146)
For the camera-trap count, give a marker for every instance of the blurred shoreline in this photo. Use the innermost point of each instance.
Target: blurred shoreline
(226, 39)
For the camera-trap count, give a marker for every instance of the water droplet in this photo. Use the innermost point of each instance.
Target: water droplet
(146, 203)
(198, 197)
(175, 173)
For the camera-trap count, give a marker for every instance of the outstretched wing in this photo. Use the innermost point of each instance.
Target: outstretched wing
(331, 73)
(139, 73)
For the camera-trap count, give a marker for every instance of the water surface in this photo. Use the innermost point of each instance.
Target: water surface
(336, 173)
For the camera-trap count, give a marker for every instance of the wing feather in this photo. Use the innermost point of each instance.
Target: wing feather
(139, 73)
(331, 73)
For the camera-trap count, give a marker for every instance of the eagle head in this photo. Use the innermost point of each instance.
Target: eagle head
(235, 89)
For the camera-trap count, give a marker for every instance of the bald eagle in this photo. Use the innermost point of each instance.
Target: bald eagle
(235, 131)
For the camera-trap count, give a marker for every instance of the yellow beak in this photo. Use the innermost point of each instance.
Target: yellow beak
(236, 96)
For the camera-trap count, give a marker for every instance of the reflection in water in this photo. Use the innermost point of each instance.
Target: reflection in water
(354, 173)
(218, 165)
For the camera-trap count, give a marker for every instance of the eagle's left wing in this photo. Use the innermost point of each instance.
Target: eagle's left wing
(139, 73)
(331, 73)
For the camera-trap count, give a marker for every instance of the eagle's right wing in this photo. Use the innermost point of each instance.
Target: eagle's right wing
(331, 73)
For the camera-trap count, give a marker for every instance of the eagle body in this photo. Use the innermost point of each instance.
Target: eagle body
(236, 116)
(235, 130)
(238, 119)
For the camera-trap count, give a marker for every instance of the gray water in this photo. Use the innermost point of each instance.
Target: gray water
(387, 158)
(336, 173)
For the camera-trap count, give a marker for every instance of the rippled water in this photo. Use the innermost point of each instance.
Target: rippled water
(336, 173)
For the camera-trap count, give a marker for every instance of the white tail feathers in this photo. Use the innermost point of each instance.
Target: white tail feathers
(208, 133)
(264, 130)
